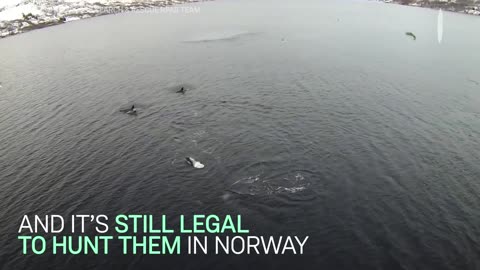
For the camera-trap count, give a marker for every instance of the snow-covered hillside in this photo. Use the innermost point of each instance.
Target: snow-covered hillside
(17, 16)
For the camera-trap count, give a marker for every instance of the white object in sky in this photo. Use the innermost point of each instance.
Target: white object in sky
(440, 26)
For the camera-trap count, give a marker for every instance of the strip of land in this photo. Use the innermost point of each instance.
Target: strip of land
(18, 16)
(471, 7)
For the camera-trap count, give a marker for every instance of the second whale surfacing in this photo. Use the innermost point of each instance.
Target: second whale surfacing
(131, 111)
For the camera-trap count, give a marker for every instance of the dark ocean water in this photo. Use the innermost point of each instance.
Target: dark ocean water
(316, 118)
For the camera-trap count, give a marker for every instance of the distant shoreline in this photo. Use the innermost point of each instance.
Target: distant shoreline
(468, 7)
(49, 15)
(53, 15)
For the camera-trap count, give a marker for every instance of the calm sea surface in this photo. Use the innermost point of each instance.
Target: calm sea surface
(318, 118)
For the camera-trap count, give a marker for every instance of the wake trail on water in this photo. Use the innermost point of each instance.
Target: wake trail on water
(216, 37)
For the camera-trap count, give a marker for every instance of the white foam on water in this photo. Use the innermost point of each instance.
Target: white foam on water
(253, 185)
(291, 189)
(198, 165)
